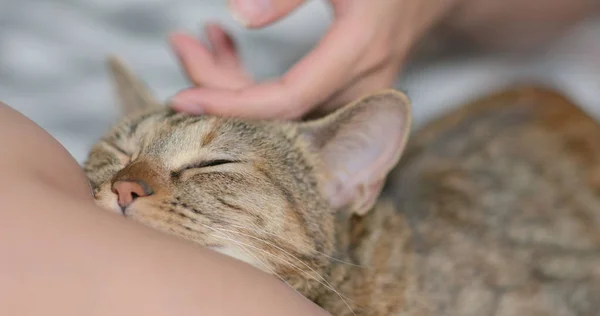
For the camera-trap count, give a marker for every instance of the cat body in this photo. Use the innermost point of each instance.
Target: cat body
(493, 209)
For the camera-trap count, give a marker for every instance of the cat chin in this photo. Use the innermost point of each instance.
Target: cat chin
(108, 204)
(244, 255)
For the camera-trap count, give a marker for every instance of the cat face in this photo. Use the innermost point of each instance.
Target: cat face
(243, 189)
(264, 192)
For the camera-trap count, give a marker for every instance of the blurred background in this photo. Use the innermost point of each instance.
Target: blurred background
(52, 60)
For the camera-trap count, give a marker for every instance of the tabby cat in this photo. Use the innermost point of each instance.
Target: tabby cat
(494, 209)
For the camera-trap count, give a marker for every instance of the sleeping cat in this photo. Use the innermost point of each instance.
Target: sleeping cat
(494, 209)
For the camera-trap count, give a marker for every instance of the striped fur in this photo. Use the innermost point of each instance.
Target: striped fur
(494, 209)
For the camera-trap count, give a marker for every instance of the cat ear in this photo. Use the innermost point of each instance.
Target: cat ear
(358, 145)
(132, 93)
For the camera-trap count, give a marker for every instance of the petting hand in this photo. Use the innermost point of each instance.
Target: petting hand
(362, 51)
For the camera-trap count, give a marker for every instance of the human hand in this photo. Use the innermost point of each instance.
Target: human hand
(362, 51)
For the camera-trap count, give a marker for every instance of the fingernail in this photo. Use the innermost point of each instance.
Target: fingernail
(249, 11)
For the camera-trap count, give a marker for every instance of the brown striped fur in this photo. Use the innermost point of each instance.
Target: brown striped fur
(494, 209)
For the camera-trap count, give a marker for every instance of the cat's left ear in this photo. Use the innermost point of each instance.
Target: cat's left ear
(359, 145)
(133, 94)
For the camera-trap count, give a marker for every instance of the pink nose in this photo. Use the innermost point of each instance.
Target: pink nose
(128, 191)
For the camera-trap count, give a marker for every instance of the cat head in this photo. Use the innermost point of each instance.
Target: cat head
(264, 192)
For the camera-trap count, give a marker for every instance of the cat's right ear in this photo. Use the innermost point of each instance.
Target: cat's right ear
(358, 145)
(132, 93)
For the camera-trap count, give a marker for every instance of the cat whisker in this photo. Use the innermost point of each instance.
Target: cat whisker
(318, 252)
(323, 281)
(241, 245)
(267, 253)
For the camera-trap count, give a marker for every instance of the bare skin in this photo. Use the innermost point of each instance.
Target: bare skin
(62, 255)
(363, 50)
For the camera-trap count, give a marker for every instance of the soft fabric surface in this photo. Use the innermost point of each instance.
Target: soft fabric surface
(52, 60)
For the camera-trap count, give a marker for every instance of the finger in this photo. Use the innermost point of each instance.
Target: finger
(331, 64)
(226, 102)
(223, 46)
(195, 58)
(202, 67)
(310, 82)
(259, 13)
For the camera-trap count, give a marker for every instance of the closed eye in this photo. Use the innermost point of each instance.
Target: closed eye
(203, 164)
(208, 163)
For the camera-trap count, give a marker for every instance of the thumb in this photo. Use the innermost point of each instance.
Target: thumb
(259, 13)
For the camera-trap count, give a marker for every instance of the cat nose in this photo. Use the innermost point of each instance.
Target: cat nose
(127, 191)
